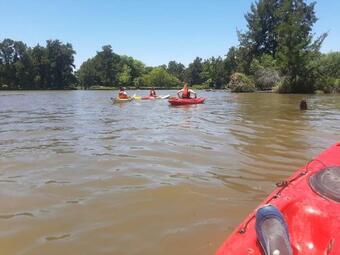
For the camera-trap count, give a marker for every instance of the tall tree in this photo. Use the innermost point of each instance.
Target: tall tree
(176, 69)
(214, 73)
(193, 74)
(283, 29)
(107, 65)
(261, 36)
(24, 71)
(232, 62)
(8, 58)
(41, 66)
(262, 21)
(16, 64)
(296, 48)
(61, 63)
(87, 75)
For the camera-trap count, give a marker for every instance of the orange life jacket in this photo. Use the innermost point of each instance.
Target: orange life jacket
(122, 95)
(185, 93)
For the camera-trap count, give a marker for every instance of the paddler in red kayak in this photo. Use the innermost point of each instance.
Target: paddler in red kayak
(152, 92)
(122, 94)
(185, 92)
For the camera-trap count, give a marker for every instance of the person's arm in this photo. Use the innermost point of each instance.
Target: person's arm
(193, 92)
(179, 92)
(126, 94)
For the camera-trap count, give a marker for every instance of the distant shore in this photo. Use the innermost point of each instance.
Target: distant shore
(197, 87)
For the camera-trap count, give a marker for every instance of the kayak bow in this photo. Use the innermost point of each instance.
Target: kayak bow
(310, 205)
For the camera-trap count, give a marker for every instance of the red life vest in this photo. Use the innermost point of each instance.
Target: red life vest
(122, 95)
(185, 93)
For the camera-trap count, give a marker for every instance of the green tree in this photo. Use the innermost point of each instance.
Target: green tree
(265, 72)
(124, 77)
(24, 70)
(110, 69)
(16, 69)
(107, 65)
(41, 67)
(329, 72)
(159, 77)
(87, 75)
(262, 21)
(8, 58)
(239, 82)
(296, 50)
(61, 63)
(136, 68)
(214, 73)
(176, 69)
(261, 36)
(232, 62)
(282, 29)
(193, 74)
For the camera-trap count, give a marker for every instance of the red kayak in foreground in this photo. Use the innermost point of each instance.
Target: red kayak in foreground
(310, 204)
(186, 101)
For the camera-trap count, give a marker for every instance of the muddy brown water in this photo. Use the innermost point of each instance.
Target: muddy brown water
(79, 175)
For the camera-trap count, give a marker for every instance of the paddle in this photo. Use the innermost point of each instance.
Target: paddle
(164, 97)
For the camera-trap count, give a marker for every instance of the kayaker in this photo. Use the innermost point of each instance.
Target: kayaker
(122, 93)
(152, 92)
(185, 92)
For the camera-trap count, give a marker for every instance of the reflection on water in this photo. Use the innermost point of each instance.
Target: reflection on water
(79, 175)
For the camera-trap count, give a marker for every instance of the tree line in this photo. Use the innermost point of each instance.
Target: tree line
(276, 51)
(110, 69)
(40, 67)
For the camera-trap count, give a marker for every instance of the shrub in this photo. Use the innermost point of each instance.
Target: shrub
(266, 79)
(328, 85)
(265, 72)
(239, 82)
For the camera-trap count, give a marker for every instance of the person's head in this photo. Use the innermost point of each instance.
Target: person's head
(185, 85)
(303, 105)
(152, 88)
(122, 88)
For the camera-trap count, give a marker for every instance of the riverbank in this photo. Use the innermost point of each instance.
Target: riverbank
(195, 86)
(198, 87)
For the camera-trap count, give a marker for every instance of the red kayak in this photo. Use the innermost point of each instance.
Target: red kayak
(309, 202)
(186, 101)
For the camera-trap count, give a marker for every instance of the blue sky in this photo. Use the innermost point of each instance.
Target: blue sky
(153, 31)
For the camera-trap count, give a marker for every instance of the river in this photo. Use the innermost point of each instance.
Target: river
(79, 175)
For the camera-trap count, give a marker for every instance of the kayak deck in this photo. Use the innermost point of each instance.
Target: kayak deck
(313, 220)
